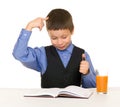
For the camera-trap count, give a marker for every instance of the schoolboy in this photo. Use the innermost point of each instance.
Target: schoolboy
(62, 63)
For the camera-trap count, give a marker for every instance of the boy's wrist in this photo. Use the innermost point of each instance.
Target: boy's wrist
(29, 27)
(87, 72)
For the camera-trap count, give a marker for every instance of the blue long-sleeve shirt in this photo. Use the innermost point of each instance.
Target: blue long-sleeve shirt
(35, 58)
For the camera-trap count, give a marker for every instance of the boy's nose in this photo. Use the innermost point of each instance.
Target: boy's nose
(59, 42)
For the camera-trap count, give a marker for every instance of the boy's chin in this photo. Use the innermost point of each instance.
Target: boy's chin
(63, 48)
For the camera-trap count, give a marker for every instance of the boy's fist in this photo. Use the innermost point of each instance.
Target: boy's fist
(84, 65)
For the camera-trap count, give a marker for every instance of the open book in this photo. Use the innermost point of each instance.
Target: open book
(70, 91)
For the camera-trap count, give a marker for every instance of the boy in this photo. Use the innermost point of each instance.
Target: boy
(62, 63)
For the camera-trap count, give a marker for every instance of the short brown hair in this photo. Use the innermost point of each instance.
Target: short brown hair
(59, 19)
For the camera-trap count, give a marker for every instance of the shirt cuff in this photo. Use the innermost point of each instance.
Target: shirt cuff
(87, 75)
(25, 34)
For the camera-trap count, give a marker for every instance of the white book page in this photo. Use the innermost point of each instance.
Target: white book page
(77, 91)
(50, 92)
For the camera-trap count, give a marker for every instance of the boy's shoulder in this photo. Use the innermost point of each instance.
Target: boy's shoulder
(78, 48)
(49, 47)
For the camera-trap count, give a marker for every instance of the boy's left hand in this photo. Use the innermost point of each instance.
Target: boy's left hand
(84, 65)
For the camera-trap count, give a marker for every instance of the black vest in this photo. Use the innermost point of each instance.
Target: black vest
(56, 74)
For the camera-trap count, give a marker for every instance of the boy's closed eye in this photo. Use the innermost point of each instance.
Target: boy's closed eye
(64, 37)
(53, 38)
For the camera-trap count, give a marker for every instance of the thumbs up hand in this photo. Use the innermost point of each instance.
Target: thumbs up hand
(84, 65)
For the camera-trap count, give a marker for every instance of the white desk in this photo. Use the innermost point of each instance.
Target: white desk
(14, 98)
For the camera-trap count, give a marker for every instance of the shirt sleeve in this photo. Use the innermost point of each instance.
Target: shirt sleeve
(89, 80)
(29, 56)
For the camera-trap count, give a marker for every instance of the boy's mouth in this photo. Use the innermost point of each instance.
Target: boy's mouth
(61, 48)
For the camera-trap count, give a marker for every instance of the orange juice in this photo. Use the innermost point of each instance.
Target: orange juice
(101, 84)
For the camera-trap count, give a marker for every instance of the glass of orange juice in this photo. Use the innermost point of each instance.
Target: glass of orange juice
(102, 83)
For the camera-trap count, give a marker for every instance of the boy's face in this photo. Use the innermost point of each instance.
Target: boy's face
(60, 38)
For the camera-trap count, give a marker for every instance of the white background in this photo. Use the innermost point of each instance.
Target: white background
(97, 30)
